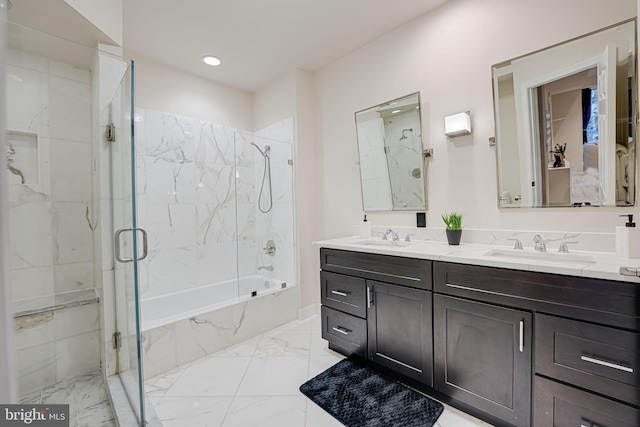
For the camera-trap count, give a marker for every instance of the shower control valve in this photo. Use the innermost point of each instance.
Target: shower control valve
(270, 248)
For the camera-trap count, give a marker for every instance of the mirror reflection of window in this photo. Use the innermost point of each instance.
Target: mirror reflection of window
(590, 115)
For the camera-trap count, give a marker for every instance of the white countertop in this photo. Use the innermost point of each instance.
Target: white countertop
(600, 265)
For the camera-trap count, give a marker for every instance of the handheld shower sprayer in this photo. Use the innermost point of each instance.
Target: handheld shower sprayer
(266, 152)
(267, 172)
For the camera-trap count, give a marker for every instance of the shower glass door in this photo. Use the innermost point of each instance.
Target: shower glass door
(129, 241)
(264, 187)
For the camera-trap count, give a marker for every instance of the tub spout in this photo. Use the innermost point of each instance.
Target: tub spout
(266, 267)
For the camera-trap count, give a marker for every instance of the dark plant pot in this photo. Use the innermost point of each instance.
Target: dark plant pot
(453, 236)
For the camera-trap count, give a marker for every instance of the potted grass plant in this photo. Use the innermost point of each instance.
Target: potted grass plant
(453, 224)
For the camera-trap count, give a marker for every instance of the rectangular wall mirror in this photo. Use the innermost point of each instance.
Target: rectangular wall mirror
(391, 159)
(565, 123)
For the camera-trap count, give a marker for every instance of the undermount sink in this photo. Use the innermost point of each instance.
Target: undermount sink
(385, 243)
(558, 257)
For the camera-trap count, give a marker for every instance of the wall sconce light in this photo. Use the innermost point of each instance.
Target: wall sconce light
(458, 124)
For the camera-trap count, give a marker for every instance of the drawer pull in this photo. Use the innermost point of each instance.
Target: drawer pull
(607, 364)
(467, 288)
(342, 330)
(368, 297)
(521, 336)
(342, 294)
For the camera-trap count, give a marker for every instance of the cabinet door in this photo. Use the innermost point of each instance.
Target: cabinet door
(399, 327)
(482, 357)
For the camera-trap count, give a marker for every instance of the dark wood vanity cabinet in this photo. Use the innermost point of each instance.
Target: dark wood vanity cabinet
(482, 357)
(385, 300)
(516, 348)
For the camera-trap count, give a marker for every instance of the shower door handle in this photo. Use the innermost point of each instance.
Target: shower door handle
(145, 246)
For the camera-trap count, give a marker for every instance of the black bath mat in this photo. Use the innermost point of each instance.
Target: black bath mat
(358, 396)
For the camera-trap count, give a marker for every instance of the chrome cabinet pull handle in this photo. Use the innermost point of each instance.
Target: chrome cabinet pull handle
(342, 330)
(607, 364)
(342, 294)
(521, 336)
(145, 245)
(467, 288)
(368, 297)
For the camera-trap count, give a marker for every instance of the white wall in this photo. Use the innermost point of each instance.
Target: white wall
(162, 88)
(308, 187)
(106, 15)
(447, 56)
(275, 102)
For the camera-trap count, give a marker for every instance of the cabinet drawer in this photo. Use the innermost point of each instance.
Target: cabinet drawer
(347, 333)
(562, 406)
(415, 273)
(593, 300)
(344, 293)
(604, 360)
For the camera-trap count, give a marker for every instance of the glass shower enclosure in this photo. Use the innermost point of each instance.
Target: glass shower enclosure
(70, 165)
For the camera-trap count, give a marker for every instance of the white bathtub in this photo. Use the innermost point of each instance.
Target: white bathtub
(169, 308)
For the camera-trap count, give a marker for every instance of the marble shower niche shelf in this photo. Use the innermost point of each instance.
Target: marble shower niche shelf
(44, 304)
(23, 158)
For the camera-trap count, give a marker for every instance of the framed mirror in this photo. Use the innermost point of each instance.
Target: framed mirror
(565, 123)
(390, 154)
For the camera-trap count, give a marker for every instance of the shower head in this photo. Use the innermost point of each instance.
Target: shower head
(405, 136)
(264, 153)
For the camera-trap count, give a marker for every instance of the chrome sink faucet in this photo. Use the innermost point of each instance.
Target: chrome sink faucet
(517, 243)
(564, 249)
(394, 235)
(540, 243)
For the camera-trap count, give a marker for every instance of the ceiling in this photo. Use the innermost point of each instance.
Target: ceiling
(32, 22)
(258, 40)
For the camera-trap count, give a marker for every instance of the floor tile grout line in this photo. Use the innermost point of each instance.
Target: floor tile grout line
(182, 370)
(261, 336)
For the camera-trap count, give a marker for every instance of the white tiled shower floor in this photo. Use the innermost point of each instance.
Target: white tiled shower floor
(256, 384)
(86, 396)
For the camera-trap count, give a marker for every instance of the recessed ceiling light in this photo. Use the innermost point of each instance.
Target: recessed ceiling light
(395, 111)
(211, 60)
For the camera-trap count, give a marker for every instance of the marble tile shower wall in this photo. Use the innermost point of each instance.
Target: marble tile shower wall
(187, 184)
(405, 154)
(51, 215)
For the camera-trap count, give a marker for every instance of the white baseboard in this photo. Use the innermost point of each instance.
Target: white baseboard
(308, 311)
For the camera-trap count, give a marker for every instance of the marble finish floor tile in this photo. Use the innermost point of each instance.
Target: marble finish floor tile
(86, 396)
(255, 384)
